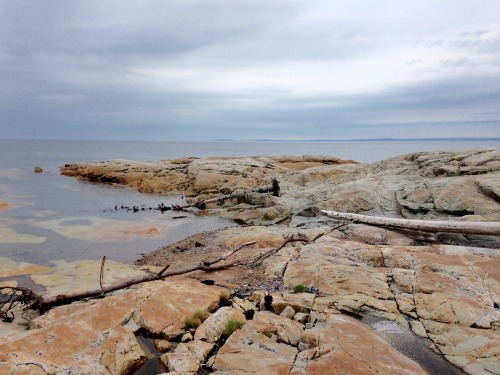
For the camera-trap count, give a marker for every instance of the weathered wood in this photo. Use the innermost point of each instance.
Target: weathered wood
(274, 189)
(47, 302)
(450, 226)
(28, 299)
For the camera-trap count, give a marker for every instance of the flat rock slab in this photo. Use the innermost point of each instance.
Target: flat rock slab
(344, 345)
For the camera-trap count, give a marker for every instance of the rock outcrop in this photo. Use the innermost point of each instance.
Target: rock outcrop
(460, 185)
(441, 290)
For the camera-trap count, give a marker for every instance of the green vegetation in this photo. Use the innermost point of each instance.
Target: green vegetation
(201, 314)
(233, 325)
(299, 288)
(224, 298)
(195, 319)
(191, 322)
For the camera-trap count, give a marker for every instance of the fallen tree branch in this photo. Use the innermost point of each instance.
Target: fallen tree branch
(48, 302)
(11, 297)
(466, 227)
(28, 299)
(274, 189)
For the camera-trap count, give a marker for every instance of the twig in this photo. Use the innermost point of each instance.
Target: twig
(101, 277)
(163, 270)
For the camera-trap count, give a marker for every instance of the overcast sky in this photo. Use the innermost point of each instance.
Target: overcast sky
(198, 70)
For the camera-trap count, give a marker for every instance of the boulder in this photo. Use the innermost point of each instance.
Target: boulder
(187, 358)
(247, 351)
(214, 326)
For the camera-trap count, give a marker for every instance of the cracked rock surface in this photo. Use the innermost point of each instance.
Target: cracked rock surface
(425, 185)
(445, 289)
(448, 295)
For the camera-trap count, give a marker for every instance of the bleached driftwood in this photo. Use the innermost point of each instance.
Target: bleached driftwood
(465, 227)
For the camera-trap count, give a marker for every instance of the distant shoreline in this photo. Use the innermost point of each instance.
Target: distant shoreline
(497, 139)
(367, 140)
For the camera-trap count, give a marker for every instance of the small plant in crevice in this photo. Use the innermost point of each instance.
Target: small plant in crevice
(299, 288)
(201, 314)
(224, 299)
(195, 319)
(232, 325)
(191, 322)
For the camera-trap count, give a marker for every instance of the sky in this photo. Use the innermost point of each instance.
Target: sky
(245, 70)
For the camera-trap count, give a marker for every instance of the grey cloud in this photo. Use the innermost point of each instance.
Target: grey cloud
(69, 70)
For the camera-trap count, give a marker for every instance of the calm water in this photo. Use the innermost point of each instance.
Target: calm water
(57, 217)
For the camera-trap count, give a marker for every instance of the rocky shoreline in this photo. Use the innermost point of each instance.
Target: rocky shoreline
(444, 288)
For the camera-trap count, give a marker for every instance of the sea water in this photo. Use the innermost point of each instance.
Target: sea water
(57, 217)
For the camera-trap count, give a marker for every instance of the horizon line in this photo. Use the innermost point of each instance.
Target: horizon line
(442, 139)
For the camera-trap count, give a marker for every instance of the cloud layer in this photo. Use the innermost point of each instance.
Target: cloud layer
(194, 70)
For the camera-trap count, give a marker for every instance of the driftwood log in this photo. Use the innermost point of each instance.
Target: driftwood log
(11, 297)
(464, 227)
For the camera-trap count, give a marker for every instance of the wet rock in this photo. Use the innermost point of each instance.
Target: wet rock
(344, 345)
(475, 350)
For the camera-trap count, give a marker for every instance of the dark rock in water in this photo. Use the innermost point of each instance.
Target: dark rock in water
(38, 169)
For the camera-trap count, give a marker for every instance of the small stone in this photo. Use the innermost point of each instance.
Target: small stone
(210, 361)
(187, 337)
(163, 345)
(288, 312)
(301, 317)
(132, 326)
(289, 333)
(38, 169)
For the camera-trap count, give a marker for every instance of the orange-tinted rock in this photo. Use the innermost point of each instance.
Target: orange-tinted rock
(346, 346)
(247, 351)
(97, 336)
(171, 302)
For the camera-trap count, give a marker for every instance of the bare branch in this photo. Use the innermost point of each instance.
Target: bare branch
(101, 276)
